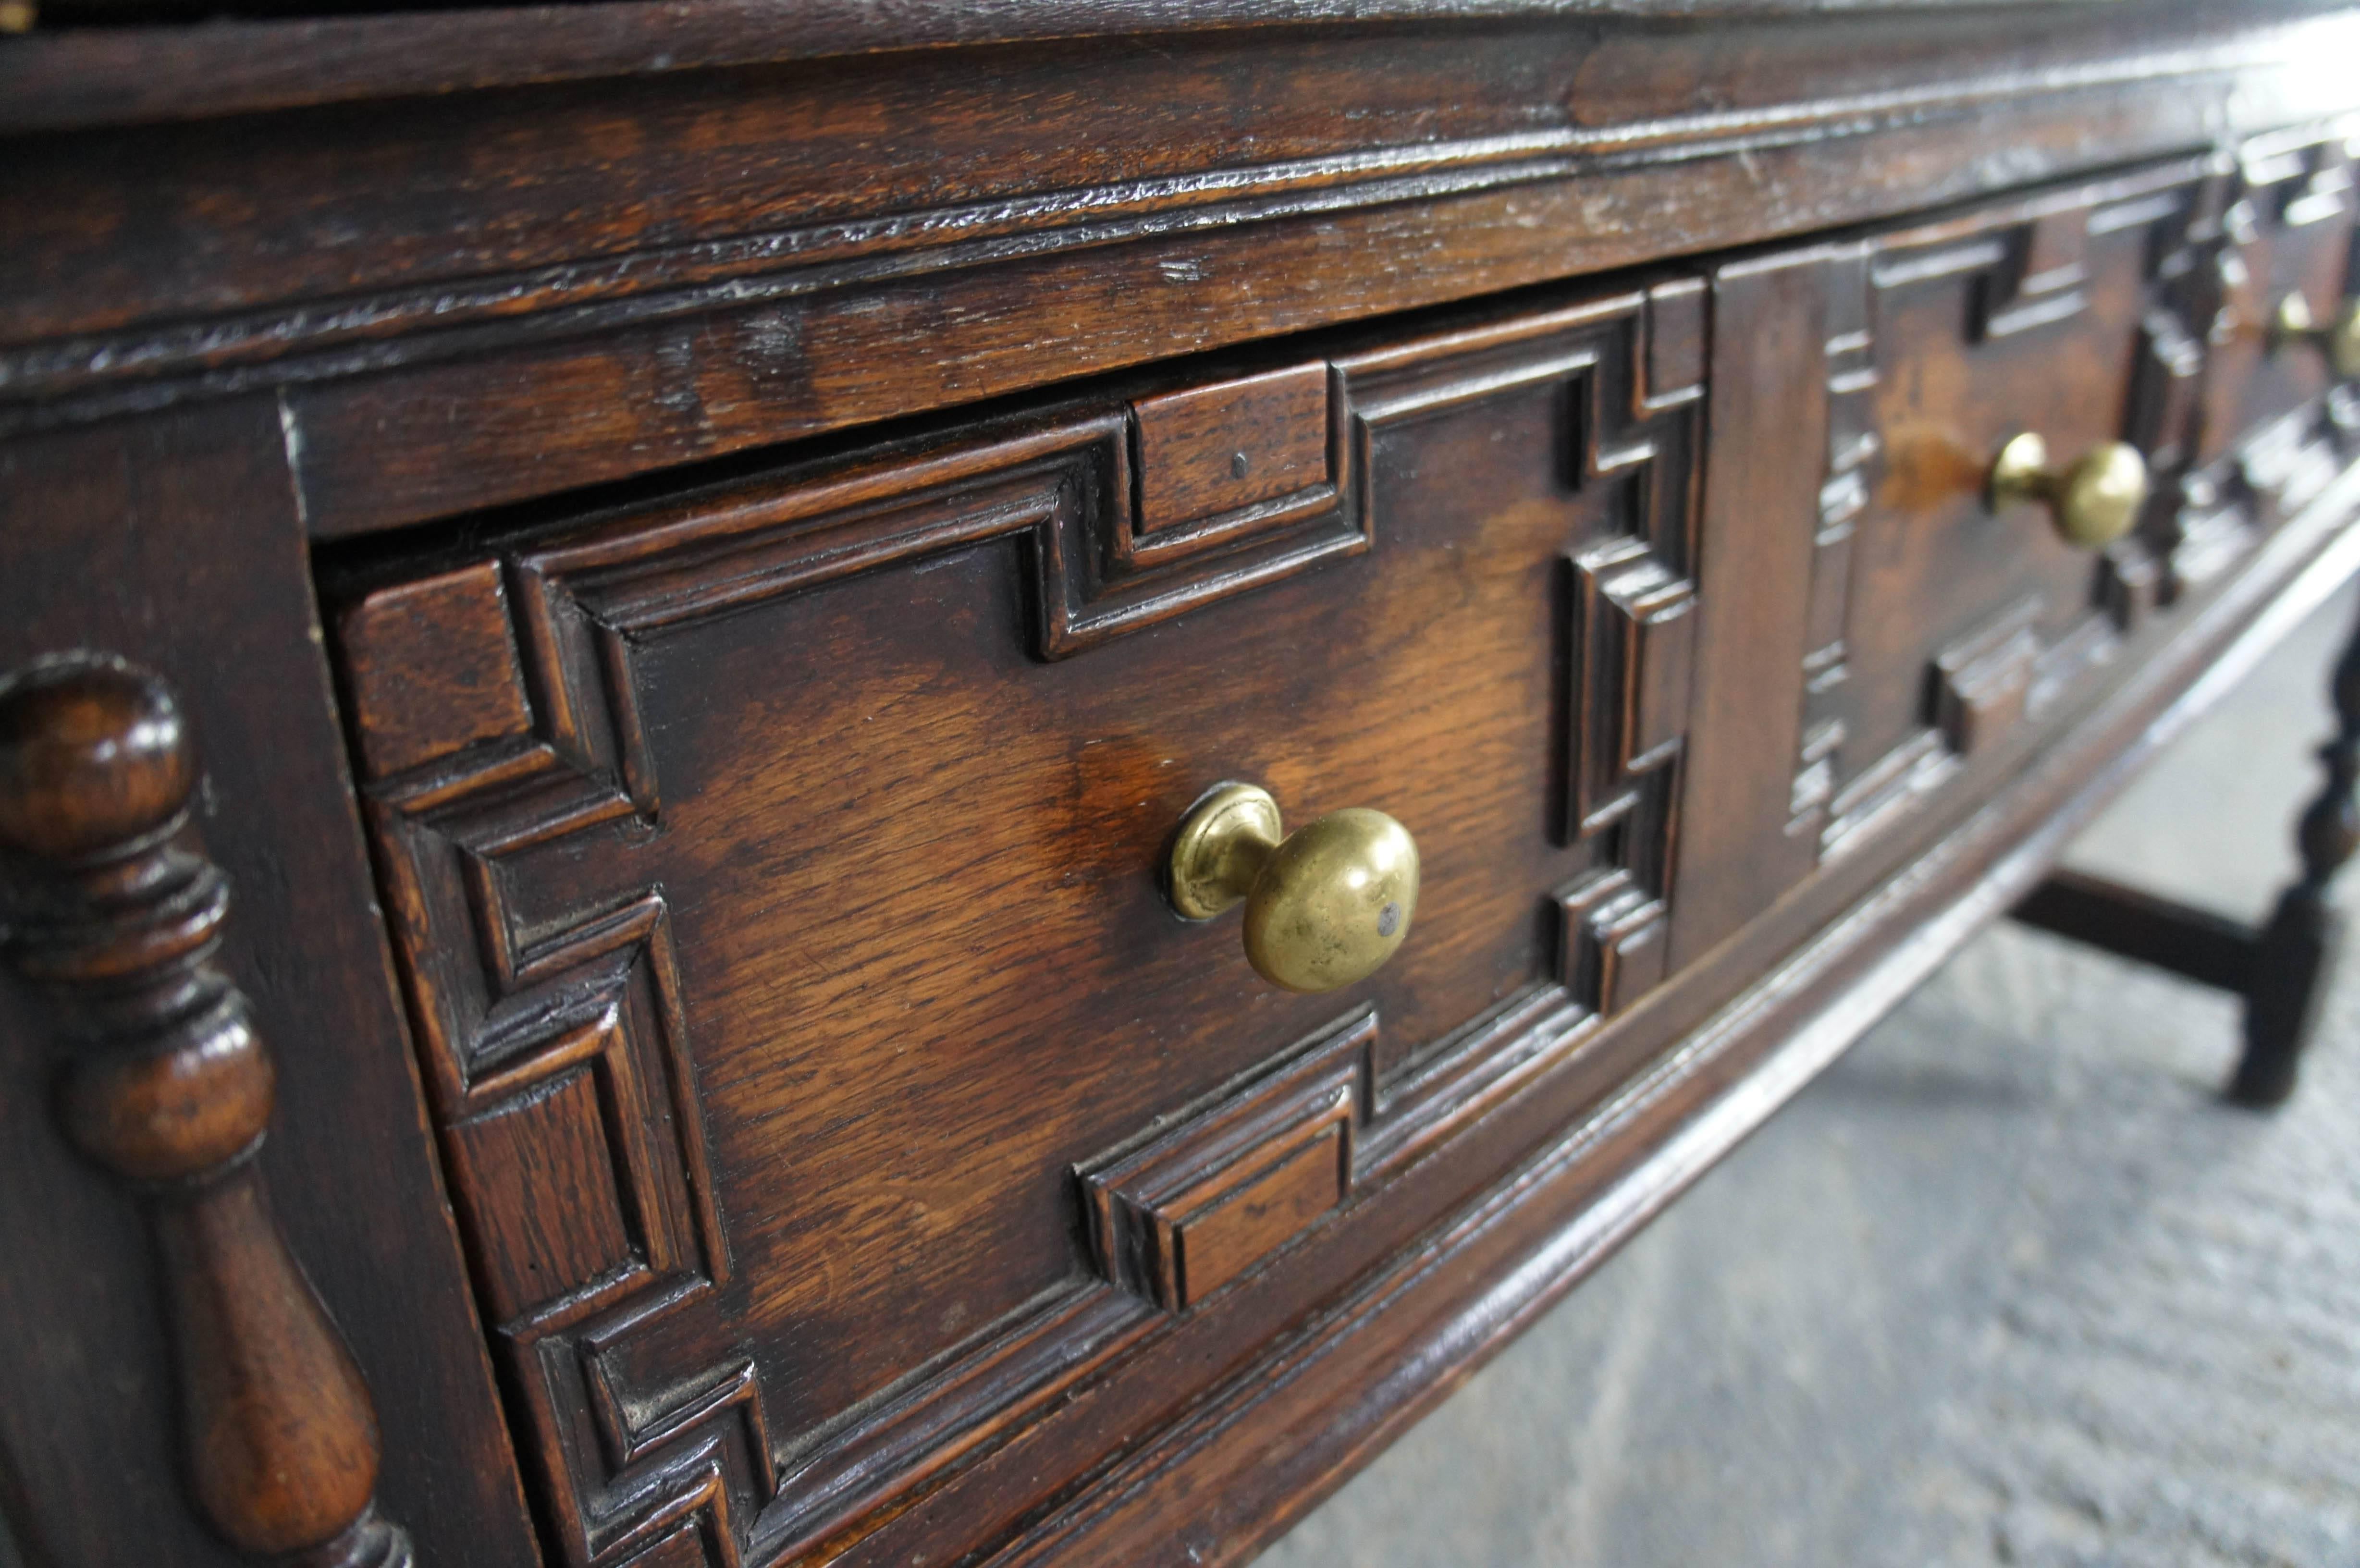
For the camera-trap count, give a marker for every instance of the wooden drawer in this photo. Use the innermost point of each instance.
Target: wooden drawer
(1863, 391)
(826, 1086)
(2280, 223)
(1940, 616)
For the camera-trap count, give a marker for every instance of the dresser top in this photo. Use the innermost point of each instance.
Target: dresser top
(63, 75)
(482, 256)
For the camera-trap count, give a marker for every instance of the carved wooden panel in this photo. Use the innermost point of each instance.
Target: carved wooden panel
(1634, 628)
(775, 894)
(1932, 634)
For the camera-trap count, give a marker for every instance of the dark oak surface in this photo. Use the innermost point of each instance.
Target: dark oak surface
(707, 550)
(671, 268)
(1513, 498)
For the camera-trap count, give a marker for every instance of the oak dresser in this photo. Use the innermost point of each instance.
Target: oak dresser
(808, 781)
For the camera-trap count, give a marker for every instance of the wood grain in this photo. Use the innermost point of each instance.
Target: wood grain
(81, 77)
(1769, 353)
(648, 245)
(452, 630)
(1199, 1204)
(1213, 449)
(924, 576)
(1402, 1330)
(1922, 625)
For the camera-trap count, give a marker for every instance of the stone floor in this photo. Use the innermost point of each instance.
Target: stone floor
(2008, 1285)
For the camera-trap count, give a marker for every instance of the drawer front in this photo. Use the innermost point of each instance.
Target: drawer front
(2267, 427)
(825, 1083)
(1904, 636)
(1938, 619)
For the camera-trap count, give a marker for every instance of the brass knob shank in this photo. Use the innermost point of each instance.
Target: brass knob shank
(1325, 905)
(2338, 341)
(2092, 503)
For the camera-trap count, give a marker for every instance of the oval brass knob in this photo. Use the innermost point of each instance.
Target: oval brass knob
(2094, 501)
(2339, 342)
(1325, 905)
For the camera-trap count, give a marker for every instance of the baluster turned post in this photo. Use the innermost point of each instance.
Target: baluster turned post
(2293, 961)
(117, 919)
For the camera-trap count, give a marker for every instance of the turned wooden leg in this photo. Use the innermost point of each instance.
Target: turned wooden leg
(2282, 969)
(116, 916)
(2295, 955)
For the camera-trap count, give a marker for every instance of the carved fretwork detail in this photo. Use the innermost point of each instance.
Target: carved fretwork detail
(496, 727)
(1229, 459)
(1637, 626)
(2165, 380)
(497, 714)
(555, 1049)
(1633, 368)
(688, 1456)
(1614, 939)
(1982, 683)
(2037, 278)
(114, 914)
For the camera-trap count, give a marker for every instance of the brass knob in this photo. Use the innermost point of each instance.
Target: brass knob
(2094, 501)
(1325, 905)
(2339, 342)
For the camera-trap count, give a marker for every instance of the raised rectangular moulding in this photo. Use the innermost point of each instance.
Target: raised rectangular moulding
(1209, 451)
(1179, 1215)
(1980, 682)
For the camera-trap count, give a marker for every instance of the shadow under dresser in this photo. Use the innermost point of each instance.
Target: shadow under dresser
(801, 783)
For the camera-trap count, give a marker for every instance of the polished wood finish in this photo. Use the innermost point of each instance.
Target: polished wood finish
(1192, 1208)
(1245, 1462)
(711, 548)
(1932, 627)
(1214, 449)
(116, 916)
(755, 267)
